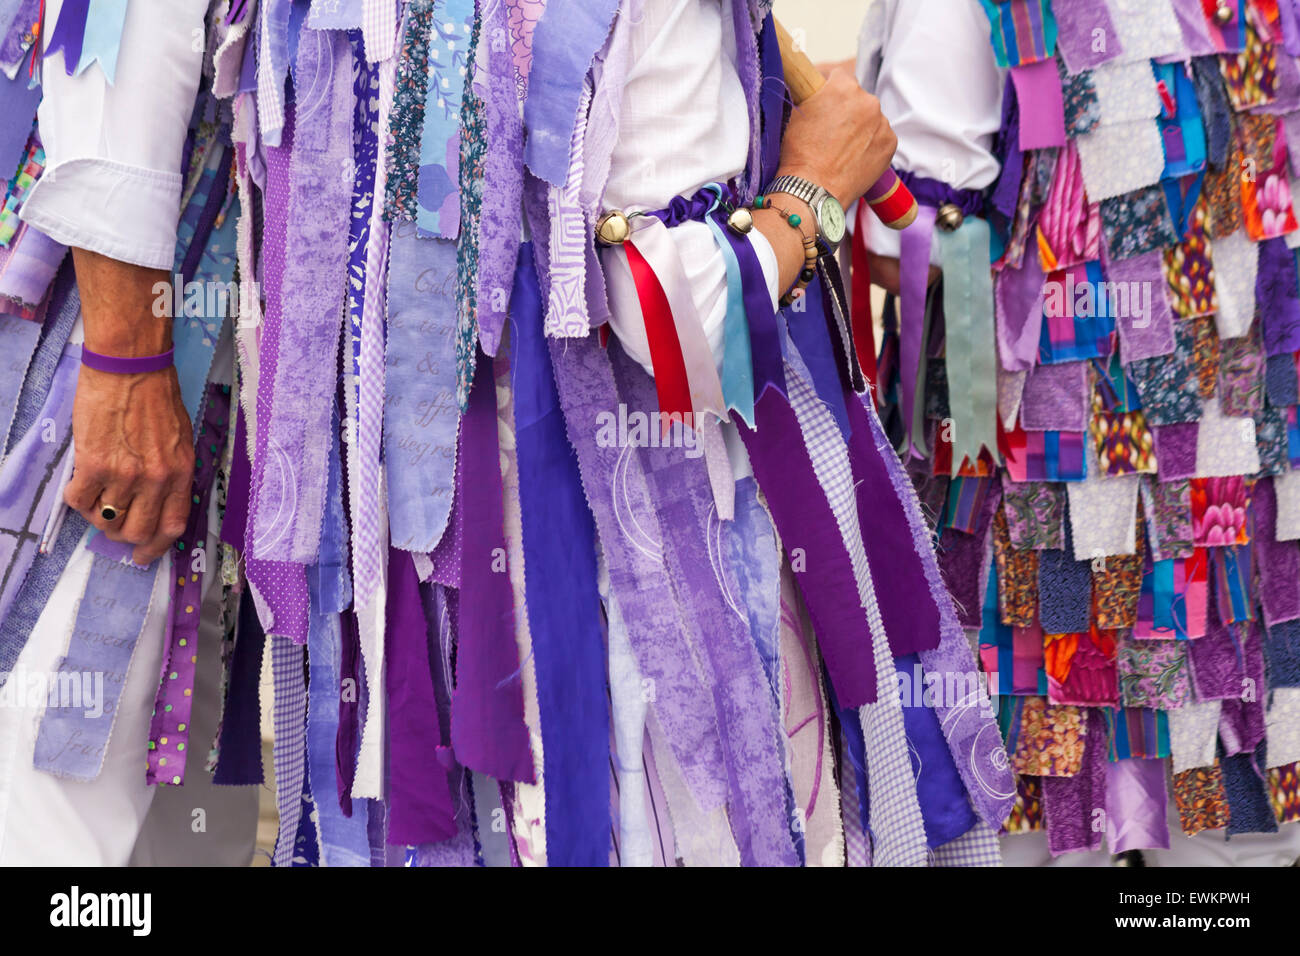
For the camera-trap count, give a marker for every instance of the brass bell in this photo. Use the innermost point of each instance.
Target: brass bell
(613, 228)
(1223, 13)
(741, 221)
(949, 217)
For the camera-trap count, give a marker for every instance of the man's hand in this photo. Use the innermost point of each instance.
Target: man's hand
(131, 433)
(838, 139)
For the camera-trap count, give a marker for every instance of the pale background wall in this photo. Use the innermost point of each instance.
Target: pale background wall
(831, 26)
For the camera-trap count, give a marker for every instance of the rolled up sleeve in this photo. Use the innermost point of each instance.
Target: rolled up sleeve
(112, 179)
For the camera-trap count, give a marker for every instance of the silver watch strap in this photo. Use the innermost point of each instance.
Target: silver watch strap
(798, 187)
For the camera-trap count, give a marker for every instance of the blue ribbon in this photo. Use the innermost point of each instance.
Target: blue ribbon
(737, 363)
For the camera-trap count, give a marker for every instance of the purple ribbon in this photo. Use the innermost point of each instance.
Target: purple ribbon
(69, 33)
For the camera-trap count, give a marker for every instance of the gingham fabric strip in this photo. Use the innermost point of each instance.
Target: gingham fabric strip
(290, 748)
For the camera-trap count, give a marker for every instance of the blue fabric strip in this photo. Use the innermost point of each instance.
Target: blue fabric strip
(562, 596)
(737, 363)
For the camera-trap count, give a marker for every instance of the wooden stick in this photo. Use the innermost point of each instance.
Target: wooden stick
(889, 198)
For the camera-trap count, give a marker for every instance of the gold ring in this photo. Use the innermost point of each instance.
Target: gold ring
(110, 512)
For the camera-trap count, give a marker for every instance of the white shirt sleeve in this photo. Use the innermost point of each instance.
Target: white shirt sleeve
(112, 181)
(931, 64)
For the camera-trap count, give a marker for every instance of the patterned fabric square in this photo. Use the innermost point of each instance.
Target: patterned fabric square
(1284, 792)
(1050, 739)
(1136, 222)
(1078, 316)
(1044, 456)
(1056, 398)
(1126, 92)
(1202, 802)
(1154, 674)
(1035, 512)
(1082, 109)
(1251, 75)
(1081, 669)
(1280, 383)
(1124, 444)
(1242, 375)
(1219, 508)
(1168, 507)
(1205, 355)
(1189, 269)
(1223, 194)
(1023, 31)
(1272, 440)
(1170, 386)
(1176, 450)
(1266, 196)
(1147, 28)
(1027, 812)
(1069, 223)
(1137, 732)
(1017, 577)
(1116, 587)
(1174, 595)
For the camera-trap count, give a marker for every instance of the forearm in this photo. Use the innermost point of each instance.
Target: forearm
(118, 306)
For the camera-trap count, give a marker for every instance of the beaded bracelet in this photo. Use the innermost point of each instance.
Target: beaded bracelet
(811, 252)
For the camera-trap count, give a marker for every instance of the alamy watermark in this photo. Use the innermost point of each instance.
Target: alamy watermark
(1086, 300)
(205, 300)
(638, 429)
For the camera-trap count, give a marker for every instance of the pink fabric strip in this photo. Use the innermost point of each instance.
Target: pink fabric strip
(1042, 110)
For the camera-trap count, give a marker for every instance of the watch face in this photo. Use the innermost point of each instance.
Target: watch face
(831, 219)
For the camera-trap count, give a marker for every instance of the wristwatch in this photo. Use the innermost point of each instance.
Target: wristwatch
(827, 209)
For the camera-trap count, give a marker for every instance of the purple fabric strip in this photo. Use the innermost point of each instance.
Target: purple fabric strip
(487, 712)
(419, 803)
(812, 539)
(1290, 26)
(908, 607)
(293, 474)
(565, 41)
(169, 729)
(502, 179)
(280, 585)
(742, 699)
(632, 541)
(290, 748)
(73, 736)
(240, 738)
(14, 42)
(33, 261)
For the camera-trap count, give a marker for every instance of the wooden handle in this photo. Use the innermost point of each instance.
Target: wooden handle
(889, 198)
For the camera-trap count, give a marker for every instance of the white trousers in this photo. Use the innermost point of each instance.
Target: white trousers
(47, 820)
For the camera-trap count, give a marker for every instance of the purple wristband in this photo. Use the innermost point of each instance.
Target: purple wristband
(126, 366)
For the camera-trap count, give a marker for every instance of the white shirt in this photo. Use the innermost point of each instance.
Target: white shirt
(112, 181)
(684, 123)
(931, 64)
